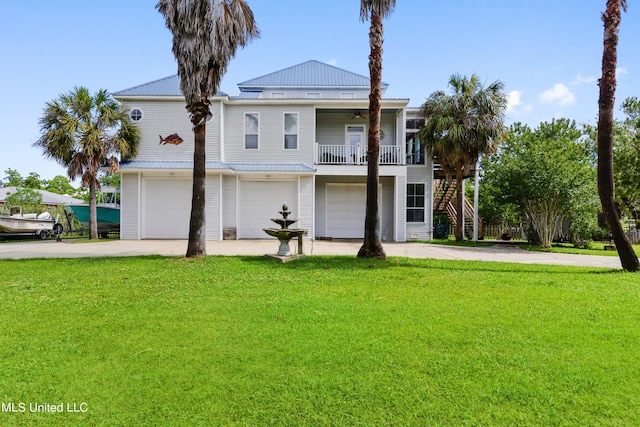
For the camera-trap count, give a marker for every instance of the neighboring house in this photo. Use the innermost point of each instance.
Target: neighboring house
(297, 135)
(48, 198)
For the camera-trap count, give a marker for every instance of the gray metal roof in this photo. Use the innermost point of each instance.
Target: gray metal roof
(271, 167)
(239, 167)
(48, 198)
(309, 74)
(136, 164)
(168, 86)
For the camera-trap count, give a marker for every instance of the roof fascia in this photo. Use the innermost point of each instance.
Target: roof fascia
(274, 172)
(162, 98)
(303, 87)
(320, 102)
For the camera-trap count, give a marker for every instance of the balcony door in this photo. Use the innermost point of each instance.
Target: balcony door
(355, 137)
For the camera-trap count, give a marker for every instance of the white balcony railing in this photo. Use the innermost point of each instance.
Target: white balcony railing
(357, 155)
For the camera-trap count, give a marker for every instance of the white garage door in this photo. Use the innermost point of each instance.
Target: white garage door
(262, 200)
(167, 208)
(345, 210)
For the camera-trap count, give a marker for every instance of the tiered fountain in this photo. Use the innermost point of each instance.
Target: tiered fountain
(285, 234)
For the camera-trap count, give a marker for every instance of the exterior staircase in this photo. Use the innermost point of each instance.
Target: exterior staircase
(444, 204)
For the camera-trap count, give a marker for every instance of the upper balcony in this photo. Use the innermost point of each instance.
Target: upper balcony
(357, 155)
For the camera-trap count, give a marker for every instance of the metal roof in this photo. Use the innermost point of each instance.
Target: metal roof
(138, 164)
(48, 198)
(271, 167)
(309, 74)
(239, 167)
(168, 86)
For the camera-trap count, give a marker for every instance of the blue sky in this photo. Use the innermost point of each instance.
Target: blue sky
(547, 52)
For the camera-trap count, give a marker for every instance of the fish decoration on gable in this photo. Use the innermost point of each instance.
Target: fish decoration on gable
(173, 139)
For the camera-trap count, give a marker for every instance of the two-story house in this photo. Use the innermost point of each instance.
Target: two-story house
(297, 135)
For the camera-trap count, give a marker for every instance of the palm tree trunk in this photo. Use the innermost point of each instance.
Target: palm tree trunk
(459, 202)
(93, 213)
(372, 245)
(197, 245)
(611, 19)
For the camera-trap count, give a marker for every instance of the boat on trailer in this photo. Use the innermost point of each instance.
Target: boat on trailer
(30, 224)
(107, 209)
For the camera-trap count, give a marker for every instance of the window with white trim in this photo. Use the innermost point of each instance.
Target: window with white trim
(347, 95)
(414, 147)
(290, 131)
(278, 95)
(415, 202)
(314, 95)
(135, 114)
(251, 130)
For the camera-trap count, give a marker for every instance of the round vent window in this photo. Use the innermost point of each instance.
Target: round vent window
(136, 114)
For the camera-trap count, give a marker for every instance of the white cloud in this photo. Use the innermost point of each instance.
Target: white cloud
(582, 80)
(513, 100)
(621, 70)
(333, 62)
(514, 103)
(559, 94)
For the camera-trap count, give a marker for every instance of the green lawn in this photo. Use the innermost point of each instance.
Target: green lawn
(595, 248)
(320, 341)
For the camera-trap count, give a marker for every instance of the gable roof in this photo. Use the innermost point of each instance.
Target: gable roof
(48, 198)
(168, 86)
(309, 74)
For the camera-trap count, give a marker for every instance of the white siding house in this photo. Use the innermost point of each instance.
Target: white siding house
(297, 135)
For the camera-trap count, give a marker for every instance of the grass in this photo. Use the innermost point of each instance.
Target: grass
(595, 248)
(320, 341)
(75, 237)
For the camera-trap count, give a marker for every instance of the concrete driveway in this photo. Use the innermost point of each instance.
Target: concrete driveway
(111, 248)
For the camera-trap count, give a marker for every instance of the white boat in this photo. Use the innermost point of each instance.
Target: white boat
(41, 225)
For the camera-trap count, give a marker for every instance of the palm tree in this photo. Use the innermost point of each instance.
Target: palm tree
(463, 126)
(83, 133)
(375, 11)
(611, 19)
(206, 35)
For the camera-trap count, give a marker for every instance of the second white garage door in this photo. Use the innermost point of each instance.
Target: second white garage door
(262, 200)
(345, 210)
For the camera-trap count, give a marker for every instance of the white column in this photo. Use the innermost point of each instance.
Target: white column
(476, 185)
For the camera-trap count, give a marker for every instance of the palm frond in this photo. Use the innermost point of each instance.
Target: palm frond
(465, 123)
(382, 8)
(80, 131)
(206, 35)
